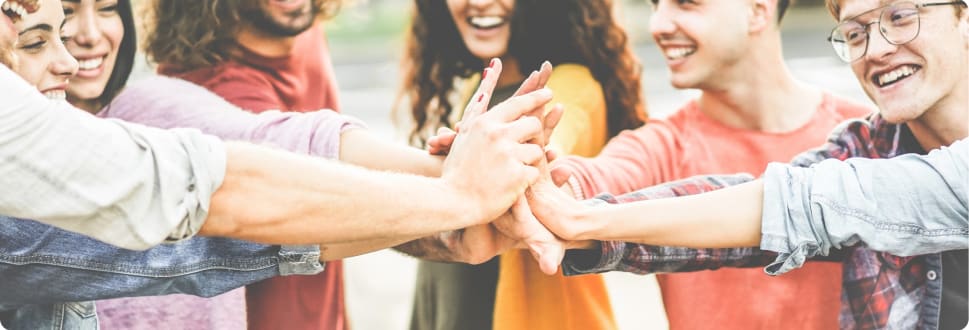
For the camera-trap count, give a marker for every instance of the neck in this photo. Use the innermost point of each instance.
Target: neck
(510, 72)
(264, 44)
(759, 92)
(92, 106)
(944, 124)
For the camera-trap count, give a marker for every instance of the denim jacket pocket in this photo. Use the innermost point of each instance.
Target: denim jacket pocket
(62, 316)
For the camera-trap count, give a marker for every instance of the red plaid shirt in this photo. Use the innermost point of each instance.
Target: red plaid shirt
(880, 291)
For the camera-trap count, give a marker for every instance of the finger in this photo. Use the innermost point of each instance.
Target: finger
(518, 106)
(482, 97)
(544, 74)
(560, 175)
(523, 130)
(551, 155)
(550, 257)
(530, 84)
(441, 144)
(529, 153)
(552, 120)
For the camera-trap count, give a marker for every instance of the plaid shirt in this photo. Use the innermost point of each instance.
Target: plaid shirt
(880, 291)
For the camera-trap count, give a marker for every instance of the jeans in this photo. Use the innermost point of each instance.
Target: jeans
(41, 265)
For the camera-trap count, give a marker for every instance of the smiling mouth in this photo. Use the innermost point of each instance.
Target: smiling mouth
(16, 9)
(891, 77)
(675, 53)
(486, 22)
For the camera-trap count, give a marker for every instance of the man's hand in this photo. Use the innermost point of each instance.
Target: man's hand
(490, 162)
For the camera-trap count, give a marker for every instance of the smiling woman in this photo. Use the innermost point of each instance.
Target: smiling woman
(45, 62)
(104, 51)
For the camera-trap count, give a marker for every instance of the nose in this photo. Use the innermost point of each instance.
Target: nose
(661, 20)
(878, 46)
(63, 65)
(88, 31)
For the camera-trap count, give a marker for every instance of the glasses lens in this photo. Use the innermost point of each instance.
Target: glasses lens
(849, 39)
(900, 23)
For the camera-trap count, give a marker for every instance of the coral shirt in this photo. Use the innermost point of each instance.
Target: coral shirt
(689, 143)
(303, 81)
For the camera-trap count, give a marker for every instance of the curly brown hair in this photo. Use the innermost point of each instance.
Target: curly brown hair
(195, 34)
(561, 31)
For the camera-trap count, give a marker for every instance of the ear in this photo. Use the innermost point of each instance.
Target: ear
(761, 14)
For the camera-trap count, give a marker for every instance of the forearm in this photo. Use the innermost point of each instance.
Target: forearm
(907, 205)
(125, 184)
(276, 197)
(337, 251)
(362, 148)
(728, 217)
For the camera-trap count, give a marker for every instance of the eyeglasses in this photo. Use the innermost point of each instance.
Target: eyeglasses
(898, 23)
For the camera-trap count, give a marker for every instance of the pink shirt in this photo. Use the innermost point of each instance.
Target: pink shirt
(689, 143)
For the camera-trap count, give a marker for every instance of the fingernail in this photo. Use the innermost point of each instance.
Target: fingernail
(480, 97)
(492, 64)
(484, 74)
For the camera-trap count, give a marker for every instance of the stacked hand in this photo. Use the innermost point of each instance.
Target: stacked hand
(519, 225)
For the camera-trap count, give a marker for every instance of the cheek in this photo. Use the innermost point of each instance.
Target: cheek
(114, 33)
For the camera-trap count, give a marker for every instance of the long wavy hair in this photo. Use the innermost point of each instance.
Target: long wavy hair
(125, 61)
(562, 31)
(199, 33)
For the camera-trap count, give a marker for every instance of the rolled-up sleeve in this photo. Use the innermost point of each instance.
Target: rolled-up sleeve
(907, 205)
(124, 184)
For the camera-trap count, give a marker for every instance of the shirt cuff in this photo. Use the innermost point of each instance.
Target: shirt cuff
(607, 258)
(300, 260)
(785, 224)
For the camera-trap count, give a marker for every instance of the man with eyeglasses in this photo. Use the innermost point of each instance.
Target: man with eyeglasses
(751, 111)
(916, 70)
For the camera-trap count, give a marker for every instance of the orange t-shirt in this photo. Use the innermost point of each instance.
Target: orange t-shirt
(303, 81)
(689, 143)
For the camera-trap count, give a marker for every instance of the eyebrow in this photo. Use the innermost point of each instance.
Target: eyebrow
(44, 27)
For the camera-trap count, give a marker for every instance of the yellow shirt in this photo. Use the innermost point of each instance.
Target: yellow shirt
(526, 298)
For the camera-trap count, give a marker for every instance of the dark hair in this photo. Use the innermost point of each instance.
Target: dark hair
(199, 33)
(561, 31)
(125, 60)
(782, 6)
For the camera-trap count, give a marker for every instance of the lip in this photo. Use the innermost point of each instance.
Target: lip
(58, 87)
(288, 5)
(674, 64)
(90, 73)
(873, 78)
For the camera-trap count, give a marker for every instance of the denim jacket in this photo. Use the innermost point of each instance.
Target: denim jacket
(43, 267)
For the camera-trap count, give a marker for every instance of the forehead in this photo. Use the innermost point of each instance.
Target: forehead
(51, 12)
(852, 8)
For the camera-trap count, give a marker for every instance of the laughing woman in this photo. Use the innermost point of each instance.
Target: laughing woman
(596, 78)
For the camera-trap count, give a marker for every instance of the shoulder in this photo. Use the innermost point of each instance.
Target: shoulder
(572, 74)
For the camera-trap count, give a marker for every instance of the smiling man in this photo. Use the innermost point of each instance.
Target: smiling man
(265, 55)
(751, 111)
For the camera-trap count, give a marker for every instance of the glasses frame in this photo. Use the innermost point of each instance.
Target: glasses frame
(866, 27)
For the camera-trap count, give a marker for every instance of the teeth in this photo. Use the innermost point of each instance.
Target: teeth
(895, 75)
(91, 64)
(486, 21)
(679, 52)
(14, 8)
(56, 94)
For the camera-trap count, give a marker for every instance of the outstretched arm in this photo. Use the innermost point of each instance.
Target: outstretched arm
(906, 205)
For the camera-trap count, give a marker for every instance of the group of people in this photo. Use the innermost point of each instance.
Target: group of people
(250, 174)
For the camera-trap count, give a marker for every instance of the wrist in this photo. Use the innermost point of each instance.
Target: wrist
(459, 204)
